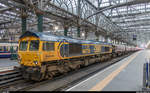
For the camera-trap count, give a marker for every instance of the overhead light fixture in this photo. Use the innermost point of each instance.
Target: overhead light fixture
(55, 28)
(83, 34)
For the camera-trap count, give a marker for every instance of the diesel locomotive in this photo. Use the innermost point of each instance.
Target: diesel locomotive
(42, 56)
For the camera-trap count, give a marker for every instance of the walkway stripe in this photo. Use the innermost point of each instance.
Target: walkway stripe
(111, 76)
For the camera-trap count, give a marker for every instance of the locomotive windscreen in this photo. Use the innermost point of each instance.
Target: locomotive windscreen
(34, 45)
(23, 45)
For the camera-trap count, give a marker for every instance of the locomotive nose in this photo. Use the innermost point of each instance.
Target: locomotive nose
(29, 59)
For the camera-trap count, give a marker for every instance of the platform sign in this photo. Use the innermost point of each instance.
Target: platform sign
(134, 37)
(11, 38)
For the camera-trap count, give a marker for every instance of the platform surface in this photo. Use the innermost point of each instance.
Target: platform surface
(126, 75)
(7, 64)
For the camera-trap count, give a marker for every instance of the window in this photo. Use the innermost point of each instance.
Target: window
(92, 48)
(102, 49)
(48, 46)
(84, 46)
(1, 48)
(34, 45)
(23, 45)
(106, 49)
(64, 50)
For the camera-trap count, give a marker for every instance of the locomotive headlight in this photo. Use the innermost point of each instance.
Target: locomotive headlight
(19, 60)
(36, 62)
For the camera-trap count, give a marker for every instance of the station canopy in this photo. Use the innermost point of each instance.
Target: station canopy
(117, 19)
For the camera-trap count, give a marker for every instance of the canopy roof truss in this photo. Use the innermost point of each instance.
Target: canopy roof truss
(117, 19)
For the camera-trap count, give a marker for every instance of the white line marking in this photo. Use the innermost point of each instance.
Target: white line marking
(98, 73)
(6, 68)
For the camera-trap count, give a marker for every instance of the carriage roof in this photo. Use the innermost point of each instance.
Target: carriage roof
(50, 37)
(8, 44)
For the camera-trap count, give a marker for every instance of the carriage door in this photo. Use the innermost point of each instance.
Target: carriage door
(92, 49)
(64, 49)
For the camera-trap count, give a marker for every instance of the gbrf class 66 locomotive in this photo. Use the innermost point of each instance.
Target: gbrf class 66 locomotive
(42, 56)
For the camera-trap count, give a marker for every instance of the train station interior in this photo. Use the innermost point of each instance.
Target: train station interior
(74, 45)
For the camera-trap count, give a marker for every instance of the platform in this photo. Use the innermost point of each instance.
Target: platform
(7, 64)
(126, 75)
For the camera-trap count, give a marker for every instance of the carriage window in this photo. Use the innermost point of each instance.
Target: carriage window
(48, 46)
(16, 49)
(34, 45)
(23, 46)
(1, 48)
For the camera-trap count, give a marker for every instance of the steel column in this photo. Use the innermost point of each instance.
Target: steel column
(40, 22)
(23, 20)
(78, 31)
(65, 31)
(79, 15)
(24, 24)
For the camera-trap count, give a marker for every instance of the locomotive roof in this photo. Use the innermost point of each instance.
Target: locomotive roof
(50, 37)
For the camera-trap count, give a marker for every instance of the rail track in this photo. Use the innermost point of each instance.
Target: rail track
(10, 77)
(13, 81)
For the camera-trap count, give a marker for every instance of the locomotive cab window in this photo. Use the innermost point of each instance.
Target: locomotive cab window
(48, 46)
(1, 48)
(23, 45)
(34, 45)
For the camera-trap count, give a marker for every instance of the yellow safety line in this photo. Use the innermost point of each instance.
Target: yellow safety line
(104, 82)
